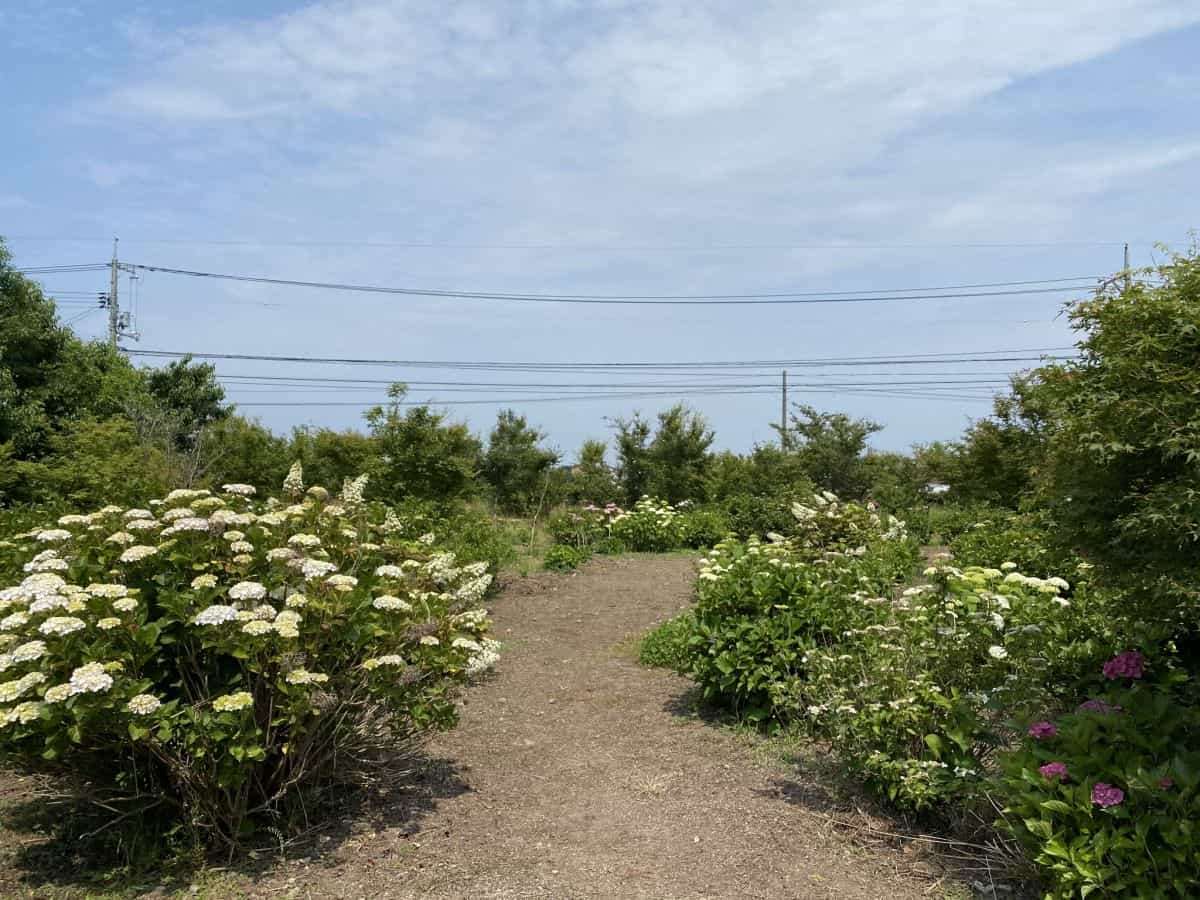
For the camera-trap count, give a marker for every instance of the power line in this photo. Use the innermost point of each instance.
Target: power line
(907, 359)
(650, 299)
(359, 384)
(439, 245)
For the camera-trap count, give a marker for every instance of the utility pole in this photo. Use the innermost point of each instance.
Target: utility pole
(114, 320)
(1127, 275)
(783, 429)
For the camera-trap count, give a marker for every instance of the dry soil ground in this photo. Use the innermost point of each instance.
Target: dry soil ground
(577, 773)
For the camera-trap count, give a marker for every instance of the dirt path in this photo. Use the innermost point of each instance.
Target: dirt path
(574, 775)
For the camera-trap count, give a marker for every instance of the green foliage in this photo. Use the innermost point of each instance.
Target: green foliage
(564, 557)
(998, 456)
(763, 607)
(330, 457)
(240, 451)
(591, 479)
(672, 464)
(652, 526)
(830, 448)
(191, 395)
(217, 658)
(420, 455)
(702, 526)
(1139, 738)
(666, 647)
(1026, 539)
(515, 465)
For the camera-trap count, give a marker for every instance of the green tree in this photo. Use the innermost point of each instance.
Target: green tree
(633, 456)
(236, 449)
(191, 395)
(516, 465)
(1118, 431)
(48, 377)
(421, 456)
(330, 457)
(997, 457)
(831, 448)
(592, 480)
(678, 455)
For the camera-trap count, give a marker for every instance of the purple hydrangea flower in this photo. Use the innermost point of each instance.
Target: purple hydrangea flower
(1043, 730)
(1129, 664)
(1055, 770)
(1099, 706)
(1107, 795)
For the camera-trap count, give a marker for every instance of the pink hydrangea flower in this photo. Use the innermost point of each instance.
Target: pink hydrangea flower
(1099, 706)
(1107, 795)
(1053, 770)
(1129, 664)
(1043, 730)
(1166, 783)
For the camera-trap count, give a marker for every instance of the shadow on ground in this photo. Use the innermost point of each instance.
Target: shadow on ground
(65, 844)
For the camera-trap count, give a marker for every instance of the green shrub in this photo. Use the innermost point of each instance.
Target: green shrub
(755, 515)
(652, 526)
(1105, 798)
(1025, 539)
(666, 647)
(584, 526)
(702, 527)
(227, 660)
(563, 558)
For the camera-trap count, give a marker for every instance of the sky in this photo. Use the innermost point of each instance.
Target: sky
(607, 148)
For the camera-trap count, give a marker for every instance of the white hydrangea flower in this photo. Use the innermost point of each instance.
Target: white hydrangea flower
(13, 621)
(257, 627)
(61, 625)
(207, 504)
(57, 693)
(52, 535)
(233, 535)
(296, 601)
(429, 641)
(142, 525)
(389, 571)
(12, 690)
(286, 630)
(389, 659)
(243, 559)
(316, 568)
(293, 484)
(389, 602)
(229, 517)
(187, 523)
(462, 643)
(271, 519)
(179, 512)
(342, 583)
(137, 553)
(247, 590)
(240, 490)
(107, 591)
(277, 554)
(242, 547)
(997, 652)
(427, 538)
(143, 704)
(108, 623)
(217, 614)
(304, 540)
(24, 713)
(138, 514)
(125, 604)
(488, 656)
(47, 602)
(303, 676)
(203, 582)
(233, 702)
(49, 564)
(352, 490)
(90, 679)
(29, 651)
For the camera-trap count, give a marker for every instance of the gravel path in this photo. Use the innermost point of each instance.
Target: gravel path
(574, 774)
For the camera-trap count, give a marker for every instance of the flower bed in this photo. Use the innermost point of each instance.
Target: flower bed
(225, 656)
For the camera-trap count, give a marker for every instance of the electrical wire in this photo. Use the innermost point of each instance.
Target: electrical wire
(887, 294)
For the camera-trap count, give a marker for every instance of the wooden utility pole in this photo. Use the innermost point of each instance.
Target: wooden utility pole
(114, 313)
(783, 429)
(1128, 281)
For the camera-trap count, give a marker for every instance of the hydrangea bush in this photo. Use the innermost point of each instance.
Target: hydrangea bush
(223, 656)
(763, 606)
(1105, 797)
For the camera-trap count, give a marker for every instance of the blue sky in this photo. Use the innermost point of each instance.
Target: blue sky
(656, 147)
